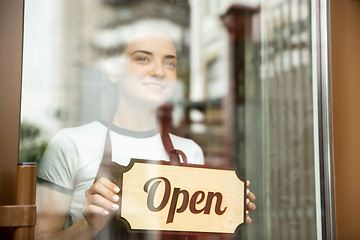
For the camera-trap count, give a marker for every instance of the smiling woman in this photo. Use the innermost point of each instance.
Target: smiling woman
(145, 83)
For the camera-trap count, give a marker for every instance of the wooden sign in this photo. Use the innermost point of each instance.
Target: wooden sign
(165, 197)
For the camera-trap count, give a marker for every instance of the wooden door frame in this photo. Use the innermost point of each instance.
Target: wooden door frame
(344, 74)
(11, 43)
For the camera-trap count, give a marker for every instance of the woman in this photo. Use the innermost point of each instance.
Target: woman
(71, 162)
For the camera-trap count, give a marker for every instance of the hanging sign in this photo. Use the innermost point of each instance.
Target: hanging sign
(166, 197)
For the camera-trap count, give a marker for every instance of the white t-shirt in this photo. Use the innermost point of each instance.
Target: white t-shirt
(72, 158)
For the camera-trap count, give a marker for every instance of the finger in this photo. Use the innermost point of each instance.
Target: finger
(247, 183)
(100, 201)
(92, 210)
(248, 220)
(108, 184)
(250, 206)
(250, 195)
(100, 189)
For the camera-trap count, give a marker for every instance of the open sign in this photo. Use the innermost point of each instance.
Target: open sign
(164, 197)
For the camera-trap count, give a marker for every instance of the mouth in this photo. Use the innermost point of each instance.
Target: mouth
(154, 86)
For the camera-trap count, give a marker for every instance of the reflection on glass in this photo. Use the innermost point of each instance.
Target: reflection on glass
(288, 112)
(246, 101)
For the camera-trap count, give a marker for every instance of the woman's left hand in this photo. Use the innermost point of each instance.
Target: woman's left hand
(250, 206)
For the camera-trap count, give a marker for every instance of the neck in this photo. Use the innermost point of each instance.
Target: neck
(135, 118)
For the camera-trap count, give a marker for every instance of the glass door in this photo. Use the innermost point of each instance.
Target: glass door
(251, 94)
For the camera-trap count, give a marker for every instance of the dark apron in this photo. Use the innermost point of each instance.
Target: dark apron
(116, 229)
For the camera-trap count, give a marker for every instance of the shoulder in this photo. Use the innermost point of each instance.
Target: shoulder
(191, 149)
(68, 151)
(182, 140)
(69, 143)
(91, 129)
(84, 134)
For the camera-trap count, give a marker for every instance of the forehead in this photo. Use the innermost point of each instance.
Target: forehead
(155, 43)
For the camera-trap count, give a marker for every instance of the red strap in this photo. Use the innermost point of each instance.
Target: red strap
(165, 118)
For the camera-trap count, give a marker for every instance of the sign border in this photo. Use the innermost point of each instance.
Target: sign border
(162, 162)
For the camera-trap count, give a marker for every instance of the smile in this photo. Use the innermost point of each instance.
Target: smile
(154, 86)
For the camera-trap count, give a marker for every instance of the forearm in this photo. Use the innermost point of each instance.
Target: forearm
(79, 230)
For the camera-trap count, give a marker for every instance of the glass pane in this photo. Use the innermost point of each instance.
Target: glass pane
(288, 119)
(243, 95)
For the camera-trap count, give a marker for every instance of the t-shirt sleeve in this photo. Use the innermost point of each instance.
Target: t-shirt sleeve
(198, 154)
(58, 165)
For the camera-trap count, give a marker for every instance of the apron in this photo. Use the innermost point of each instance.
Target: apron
(116, 229)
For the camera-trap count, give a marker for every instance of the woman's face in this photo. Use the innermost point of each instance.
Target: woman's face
(149, 71)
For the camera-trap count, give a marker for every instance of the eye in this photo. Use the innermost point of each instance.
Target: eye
(142, 59)
(170, 64)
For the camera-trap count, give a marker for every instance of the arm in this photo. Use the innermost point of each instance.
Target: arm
(99, 206)
(52, 211)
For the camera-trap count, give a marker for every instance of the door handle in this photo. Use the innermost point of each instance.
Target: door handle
(22, 216)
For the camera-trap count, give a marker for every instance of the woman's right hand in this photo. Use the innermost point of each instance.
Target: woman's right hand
(101, 203)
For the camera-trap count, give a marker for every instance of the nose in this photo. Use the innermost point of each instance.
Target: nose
(157, 70)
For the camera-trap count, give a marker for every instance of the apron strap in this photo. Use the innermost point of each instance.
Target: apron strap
(165, 119)
(107, 168)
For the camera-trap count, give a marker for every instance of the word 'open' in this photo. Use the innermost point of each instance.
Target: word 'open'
(197, 198)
